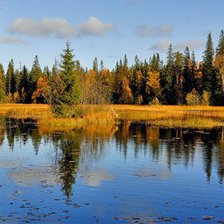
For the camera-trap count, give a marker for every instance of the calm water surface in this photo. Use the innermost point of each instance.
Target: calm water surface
(131, 174)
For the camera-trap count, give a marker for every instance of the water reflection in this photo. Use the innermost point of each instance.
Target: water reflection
(75, 152)
(174, 145)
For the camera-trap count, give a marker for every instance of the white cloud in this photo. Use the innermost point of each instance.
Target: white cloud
(151, 31)
(192, 44)
(94, 26)
(47, 27)
(163, 45)
(160, 46)
(58, 27)
(11, 40)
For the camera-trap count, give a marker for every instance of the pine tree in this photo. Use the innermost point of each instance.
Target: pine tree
(24, 86)
(125, 61)
(208, 70)
(10, 81)
(117, 83)
(35, 74)
(155, 62)
(188, 79)
(2, 82)
(72, 92)
(218, 98)
(137, 64)
(47, 72)
(95, 65)
(220, 49)
(178, 75)
(101, 65)
(55, 69)
(167, 79)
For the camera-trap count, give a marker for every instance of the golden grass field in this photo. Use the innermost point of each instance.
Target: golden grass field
(95, 116)
(173, 116)
(167, 116)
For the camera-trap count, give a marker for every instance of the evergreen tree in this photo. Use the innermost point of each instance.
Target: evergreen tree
(193, 60)
(188, 79)
(220, 49)
(72, 92)
(125, 61)
(167, 79)
(101, 65)
(137, 63)
(17, 78)
(95, 65)
(24, 86)
(55, 69)
(47, 72)
(218, 98)
(10, 78)
(2, 82)
(35, 74)
(155, 62)
(178, 71)
(208, 70)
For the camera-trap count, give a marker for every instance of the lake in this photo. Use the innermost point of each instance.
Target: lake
(133, 173)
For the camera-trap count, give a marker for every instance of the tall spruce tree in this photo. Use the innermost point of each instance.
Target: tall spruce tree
(2, 82)
(188, 79)
(155, 62)
(218, 98)
(95, 65)
(125, 61)
(167, 79)
(10, 84)
(35, 74)
(24, 86)
(220, 49)
(178, 71)
(101, 65)
(208, 69)
(72, 91)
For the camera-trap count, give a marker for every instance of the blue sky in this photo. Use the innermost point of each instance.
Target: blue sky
(107, 29)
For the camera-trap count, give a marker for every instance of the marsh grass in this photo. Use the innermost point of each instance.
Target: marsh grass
(85, 116)
(89, 115)
(79, 116)
(173, 116)
(34, 111)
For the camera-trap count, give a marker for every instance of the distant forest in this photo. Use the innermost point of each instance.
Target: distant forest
(179, 80)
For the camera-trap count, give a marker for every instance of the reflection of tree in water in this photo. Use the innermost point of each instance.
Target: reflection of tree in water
(152, 139)
(22, 130)
(69, 161)
(67, 146)
(77, 149)
(178, 145)
(220, 156)
(2, 129)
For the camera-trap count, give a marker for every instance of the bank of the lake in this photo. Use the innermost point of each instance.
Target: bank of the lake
(92, 115)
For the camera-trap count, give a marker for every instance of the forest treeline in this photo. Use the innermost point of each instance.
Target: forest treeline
(180, 80)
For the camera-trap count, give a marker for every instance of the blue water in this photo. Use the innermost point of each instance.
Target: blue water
(131, 174)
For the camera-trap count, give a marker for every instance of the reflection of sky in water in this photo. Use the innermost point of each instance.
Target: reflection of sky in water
(141, 173)
(94, 177)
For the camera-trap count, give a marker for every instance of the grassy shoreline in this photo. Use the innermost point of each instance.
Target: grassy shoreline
(103, 115)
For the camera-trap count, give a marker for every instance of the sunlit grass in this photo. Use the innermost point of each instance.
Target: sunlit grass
(173, 116)
(26, 110)
(92, 116)
(103, 115)
(102, 118)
